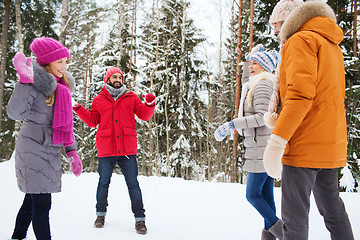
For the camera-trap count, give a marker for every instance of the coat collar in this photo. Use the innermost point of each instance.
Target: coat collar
(45, 82)
(106, 93)
(302, 14)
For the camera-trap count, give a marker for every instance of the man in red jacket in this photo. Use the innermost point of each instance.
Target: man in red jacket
(114, 110)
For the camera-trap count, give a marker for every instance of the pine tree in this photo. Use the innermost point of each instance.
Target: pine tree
(81, 35)
(176, 83)
(38, 19)
(344, 11)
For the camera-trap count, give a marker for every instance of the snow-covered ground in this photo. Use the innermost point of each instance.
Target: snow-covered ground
(176, 210)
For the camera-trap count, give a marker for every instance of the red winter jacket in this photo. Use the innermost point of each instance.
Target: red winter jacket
(116, 135)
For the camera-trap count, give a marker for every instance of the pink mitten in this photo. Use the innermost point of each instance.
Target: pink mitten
(24, 68)
(75, 162)
(149, 99)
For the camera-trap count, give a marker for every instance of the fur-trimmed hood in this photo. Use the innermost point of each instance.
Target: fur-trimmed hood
(45, 82)
(303, 13)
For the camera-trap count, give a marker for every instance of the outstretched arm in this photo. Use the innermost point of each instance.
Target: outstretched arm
(145, 110)
(91, 118)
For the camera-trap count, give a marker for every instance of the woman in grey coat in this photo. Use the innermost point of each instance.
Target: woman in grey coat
(255, 98)
(42, 100)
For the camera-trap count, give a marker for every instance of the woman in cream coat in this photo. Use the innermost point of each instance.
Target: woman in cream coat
(255, 98)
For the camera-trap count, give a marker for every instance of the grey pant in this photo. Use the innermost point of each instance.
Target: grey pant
(297, 184)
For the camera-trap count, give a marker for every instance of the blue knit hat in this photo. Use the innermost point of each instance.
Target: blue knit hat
(267, 60)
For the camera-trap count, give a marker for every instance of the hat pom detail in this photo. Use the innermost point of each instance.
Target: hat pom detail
(257, 48)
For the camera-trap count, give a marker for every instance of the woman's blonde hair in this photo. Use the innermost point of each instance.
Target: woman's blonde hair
(51, 99)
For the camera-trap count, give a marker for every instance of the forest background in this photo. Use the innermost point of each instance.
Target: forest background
(188, 53)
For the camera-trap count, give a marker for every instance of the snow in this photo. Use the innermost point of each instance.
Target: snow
(347, 179)
(176, 209)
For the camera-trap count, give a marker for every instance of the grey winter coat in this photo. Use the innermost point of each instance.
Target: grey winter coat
(37, 159)
(252, 125)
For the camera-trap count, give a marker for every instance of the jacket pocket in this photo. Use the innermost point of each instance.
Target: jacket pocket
(34, 133)
(250, 135)
(255, 135)
(129, 140)
(104, 143)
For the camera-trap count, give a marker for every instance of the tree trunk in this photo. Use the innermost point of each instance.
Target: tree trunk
(64, 21)
(251, 25)
(234, 169)
(157, 155)
(355, 29)
(167, 122)
(4, 45)
(86, 67)
(151, 149)
(182, 60)
(121, 22)
(21, 49)
(208, 144)
(18, 25)
(133, 24)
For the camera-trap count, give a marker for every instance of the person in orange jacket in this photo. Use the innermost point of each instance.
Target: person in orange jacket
(310, 136)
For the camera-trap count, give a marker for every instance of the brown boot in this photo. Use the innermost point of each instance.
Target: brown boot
(140, 227)
(99, 222)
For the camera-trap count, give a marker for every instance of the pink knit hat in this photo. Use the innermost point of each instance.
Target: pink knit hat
(283, 9)
(48, 50)
(111, 71)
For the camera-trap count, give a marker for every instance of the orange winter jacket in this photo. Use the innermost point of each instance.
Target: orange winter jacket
(312, 92)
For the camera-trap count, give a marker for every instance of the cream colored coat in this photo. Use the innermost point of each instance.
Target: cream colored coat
(251, 123)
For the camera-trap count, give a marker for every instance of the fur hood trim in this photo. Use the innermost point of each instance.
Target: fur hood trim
(45, 82)
(303, 13)
(264, 75)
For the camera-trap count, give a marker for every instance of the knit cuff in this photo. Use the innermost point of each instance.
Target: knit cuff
(239, 123)
(26, 79)
(151, 104)
(278, 139)
(76, 107)
(70, 147)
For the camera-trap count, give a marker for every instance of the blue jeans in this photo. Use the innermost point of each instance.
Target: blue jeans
(129, 168)
(260, 194)
(35, 209)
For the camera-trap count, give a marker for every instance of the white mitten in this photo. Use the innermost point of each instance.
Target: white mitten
(272, 155)
(222, 131)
